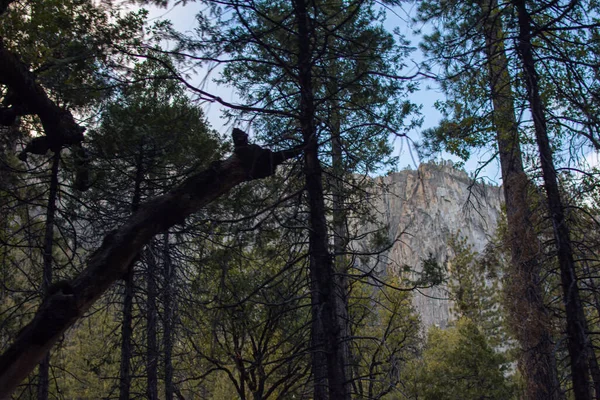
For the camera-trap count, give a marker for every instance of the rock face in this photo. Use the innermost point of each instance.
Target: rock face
(423, 208)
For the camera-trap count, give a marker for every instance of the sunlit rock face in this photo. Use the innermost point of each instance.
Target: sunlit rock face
(423, 208)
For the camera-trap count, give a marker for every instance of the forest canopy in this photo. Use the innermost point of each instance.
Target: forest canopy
(145, 254)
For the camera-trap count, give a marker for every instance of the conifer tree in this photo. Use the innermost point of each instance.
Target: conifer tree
(306, 78)
(481, 34)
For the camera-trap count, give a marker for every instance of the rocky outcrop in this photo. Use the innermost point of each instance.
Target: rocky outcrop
(422, 209)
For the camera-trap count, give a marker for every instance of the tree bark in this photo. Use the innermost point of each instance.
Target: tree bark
(577, 340)
(339, 219)
(340, 242)
(126, 334)
(530, 319)
(594, 367)
(151, 325)
(313, 185)
(325, 303)
(168, 316)
(111, 261)
(44, 368)
(127, 324)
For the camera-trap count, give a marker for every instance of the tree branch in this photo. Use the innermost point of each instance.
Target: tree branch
(69, 301)
(59, 125)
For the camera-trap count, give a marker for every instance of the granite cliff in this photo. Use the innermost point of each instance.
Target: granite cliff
(423, 208)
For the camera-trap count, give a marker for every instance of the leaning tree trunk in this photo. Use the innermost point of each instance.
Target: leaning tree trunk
(529, 318)
(325, 303)
(44, 368)
(577, 340)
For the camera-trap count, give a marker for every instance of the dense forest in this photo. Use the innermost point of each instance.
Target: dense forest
(144, 254)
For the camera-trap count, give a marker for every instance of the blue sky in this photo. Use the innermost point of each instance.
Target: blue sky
(183, 19)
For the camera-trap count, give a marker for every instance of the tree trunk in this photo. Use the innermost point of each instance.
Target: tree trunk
(151, 324)
(127, 328)
(168, 322)
(340, 242)
(594, 370)
(339, 220)
(594, 367)
(319, 357)
(577, 340)
(126, 333)
(312, 168)
(325, 303)
(44, 368)
(529, 319)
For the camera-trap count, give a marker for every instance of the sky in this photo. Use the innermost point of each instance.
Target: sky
(183, 19)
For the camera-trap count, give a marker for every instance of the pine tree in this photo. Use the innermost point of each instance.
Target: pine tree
(305, 79)
(481, 35)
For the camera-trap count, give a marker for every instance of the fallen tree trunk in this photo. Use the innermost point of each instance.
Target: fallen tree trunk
(68, 301)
